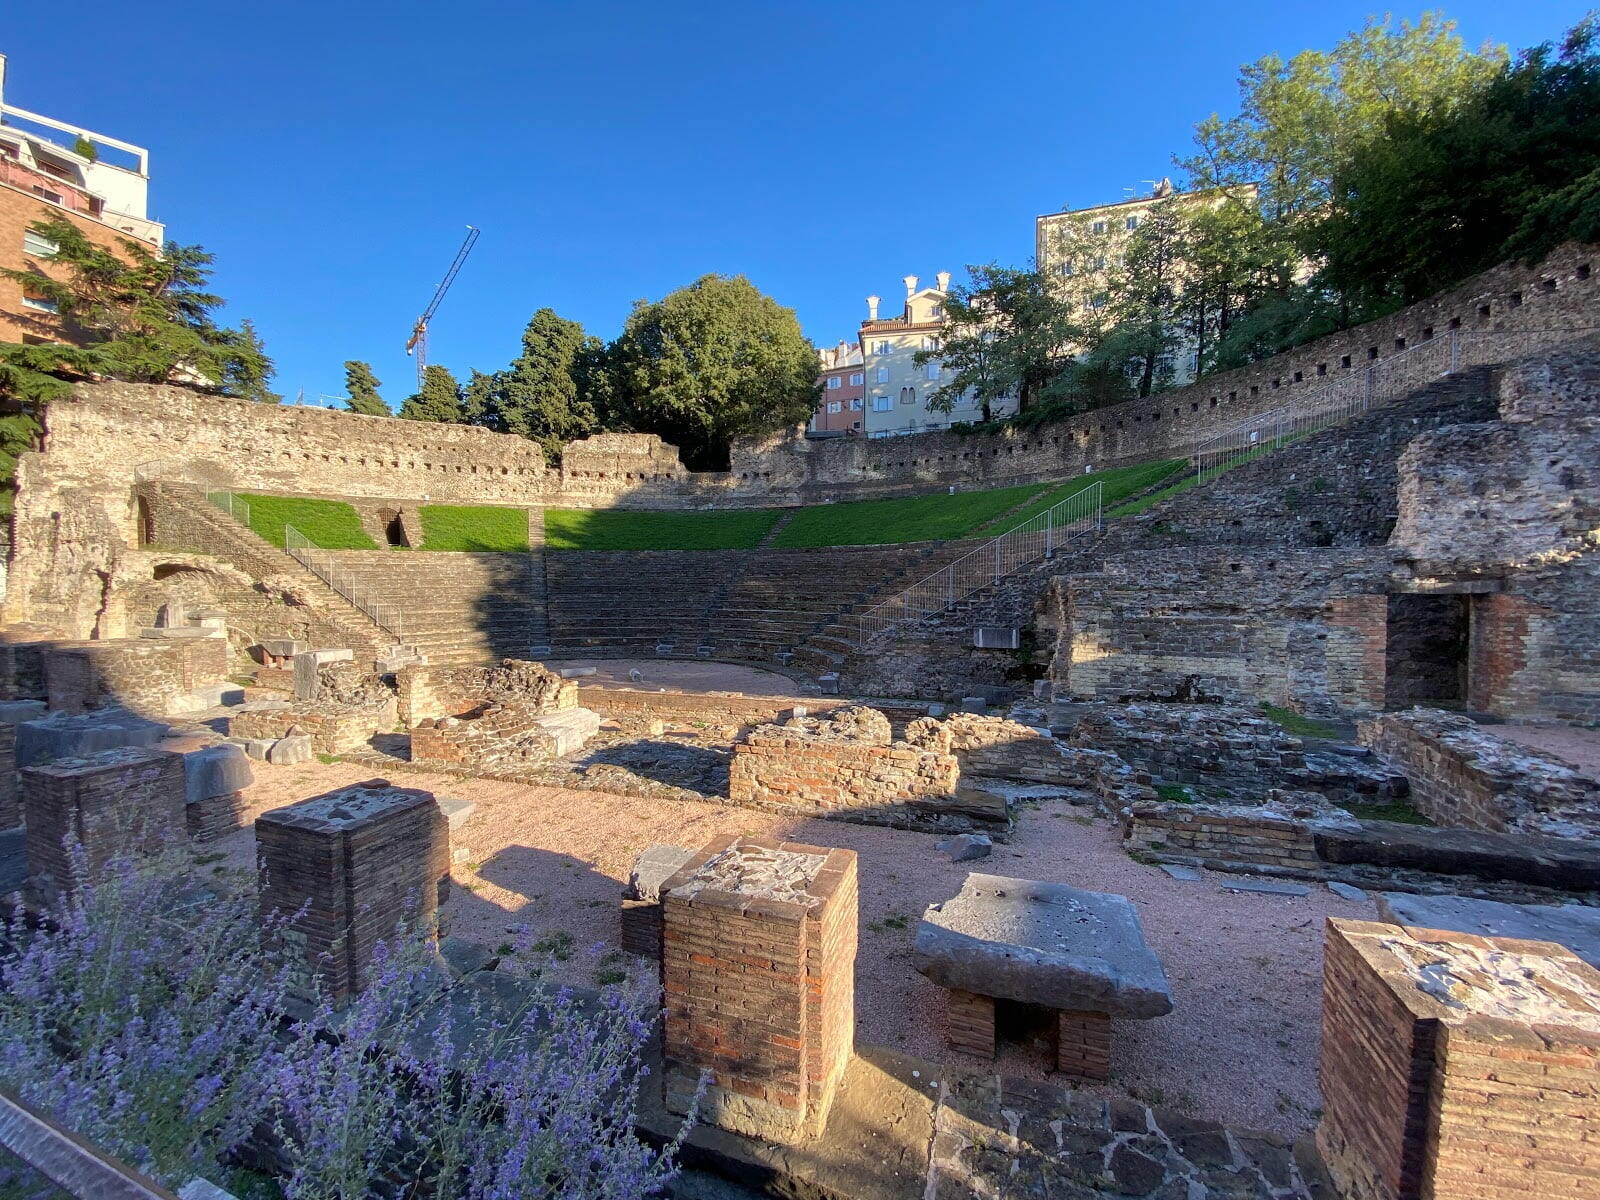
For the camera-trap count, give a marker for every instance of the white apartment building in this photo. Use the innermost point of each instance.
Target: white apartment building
(897, 389)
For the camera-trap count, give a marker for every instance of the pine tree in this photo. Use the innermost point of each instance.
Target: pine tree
(439, 399)
(539, 396)
(361, 387)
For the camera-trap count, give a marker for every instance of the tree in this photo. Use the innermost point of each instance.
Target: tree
(1440, 194)
(361, 388)
(540, 396)
(710, 362)
(439, 399)
(132, 314)
(1008, 333)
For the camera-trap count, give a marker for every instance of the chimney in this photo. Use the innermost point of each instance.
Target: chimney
(872, 308)
(911, 286)
(944, 280)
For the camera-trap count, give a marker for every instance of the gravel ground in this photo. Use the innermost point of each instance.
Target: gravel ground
(1579, 747)
(1239, 1047)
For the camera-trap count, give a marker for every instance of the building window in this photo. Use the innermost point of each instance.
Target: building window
(39, 247)
(1098, 300)
(1064, 269)
(39, 304)
(47, 194)
(881, 404)
(933, 370)
(908, 395)
(1131, 223)
(857, 379)
(1098, 227)
(855, 405)
(936, 312)
(883, 375)
(930, 343)
(834, 383)
(1100, 263)
(834, 406)
(881, 348)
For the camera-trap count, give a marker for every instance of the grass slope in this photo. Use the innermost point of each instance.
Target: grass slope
(1115, 485)
(912, 519)
(328, 524)
(474, 527)
(615, 529)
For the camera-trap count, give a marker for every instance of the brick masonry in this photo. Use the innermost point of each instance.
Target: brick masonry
(334, 728)
(346, 868)
(112, 802)
(757, 966)
(1458, 1068)
(144, 675)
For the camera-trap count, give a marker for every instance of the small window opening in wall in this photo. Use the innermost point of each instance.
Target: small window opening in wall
(1516, 299)
(1322, 368)
(1277, 383)
(1255, 389)
(1455, 322)
(1583, 270)
(1399, 343)
(1345, 362)
(1213, 402)
(1372, 353)
(1194, 406)
(1548, 285)
(1299, 377)
(1483, 310)
(1427, 334)
(147, 523)
(1232, 396)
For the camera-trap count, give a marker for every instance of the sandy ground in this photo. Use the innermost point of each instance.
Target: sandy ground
(680, 676)
(1579, 747)
(1240, 1045)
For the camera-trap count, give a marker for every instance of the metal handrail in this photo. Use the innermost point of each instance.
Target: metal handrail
(1383, 382)
(1035, 538)
(386, 616)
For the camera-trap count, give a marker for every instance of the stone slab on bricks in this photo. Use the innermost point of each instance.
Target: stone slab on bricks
(654, 866)
(214, 769)
(1043, 943)
(1575, 926)
(456, 810)
(288, 751)
(65, 735)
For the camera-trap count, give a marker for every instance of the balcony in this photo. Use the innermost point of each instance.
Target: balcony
(74, 199)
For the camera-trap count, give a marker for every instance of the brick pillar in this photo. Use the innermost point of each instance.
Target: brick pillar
(1457, 1067)
(113, 802)
(758, 968)
(359, 860)
(969, 1022)
(1083, 1044)
(1358, 640)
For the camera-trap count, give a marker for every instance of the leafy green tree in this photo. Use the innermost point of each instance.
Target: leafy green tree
(1439, 194)
(132, 314)
(540, 396)
(1008, 333)
(361, 390)
(438, 400)
(710, 362)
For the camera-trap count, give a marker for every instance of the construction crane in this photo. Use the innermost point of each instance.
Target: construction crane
(418, 344)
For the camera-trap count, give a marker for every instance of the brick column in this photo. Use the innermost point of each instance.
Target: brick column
(758, 969)
(359, 860)
(969, 1022)
(1457, 1067)
(1358, 640)
(1083, 1044)
(112, 802)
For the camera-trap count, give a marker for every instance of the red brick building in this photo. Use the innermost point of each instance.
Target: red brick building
(844, 391)
(52, 169)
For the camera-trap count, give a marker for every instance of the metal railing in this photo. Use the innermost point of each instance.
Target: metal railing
(321, 563)
(1038, 537)
(325, 566)
(1379, 383)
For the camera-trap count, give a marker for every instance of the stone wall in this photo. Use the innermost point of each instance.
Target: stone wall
(150, 676)
(635, 710)
(1279, 836)
(333, 728)
(1462, 774)
(428, 692)
(1487, 315)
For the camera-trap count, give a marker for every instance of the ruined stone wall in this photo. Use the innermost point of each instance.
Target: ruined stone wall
(1463, 775)
(151, 677)
(1224, 837)
(334, 728)
(1219, 625)
(1493, 316)
(429, 692)
(635, 709)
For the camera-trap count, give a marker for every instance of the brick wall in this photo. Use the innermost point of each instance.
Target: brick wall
(1462, 775)
(334, 728)
(348, 866)
(634, 709)
(757, 967)
(112, 802)
(1221, 836)
(145, 675)
(1492, 1096)
(427, 691)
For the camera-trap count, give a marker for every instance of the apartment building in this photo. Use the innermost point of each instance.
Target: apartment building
(50, 168)
(1083, 248)
(842, 407)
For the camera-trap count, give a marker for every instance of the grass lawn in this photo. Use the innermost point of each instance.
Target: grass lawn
(1115, 484)
(1398, 811)
(616, 529)
(476, 527)
(328, 524)
(912, 519)
(1295, 723)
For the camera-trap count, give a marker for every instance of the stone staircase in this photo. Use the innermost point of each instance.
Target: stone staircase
(458, 607)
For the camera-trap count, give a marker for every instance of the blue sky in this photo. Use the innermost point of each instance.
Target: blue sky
(330, 154)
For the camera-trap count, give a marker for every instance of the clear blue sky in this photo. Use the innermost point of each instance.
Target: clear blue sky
(330, 154)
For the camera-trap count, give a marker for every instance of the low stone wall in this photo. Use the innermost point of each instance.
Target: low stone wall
(428, 692)
(501, 738)
(634, 710)
(333, 728)
(847, 765)
(1461, 774)
(152, 677)
(1280, 836)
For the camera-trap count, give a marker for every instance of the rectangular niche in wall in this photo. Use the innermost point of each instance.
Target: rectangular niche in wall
(1426, 651)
